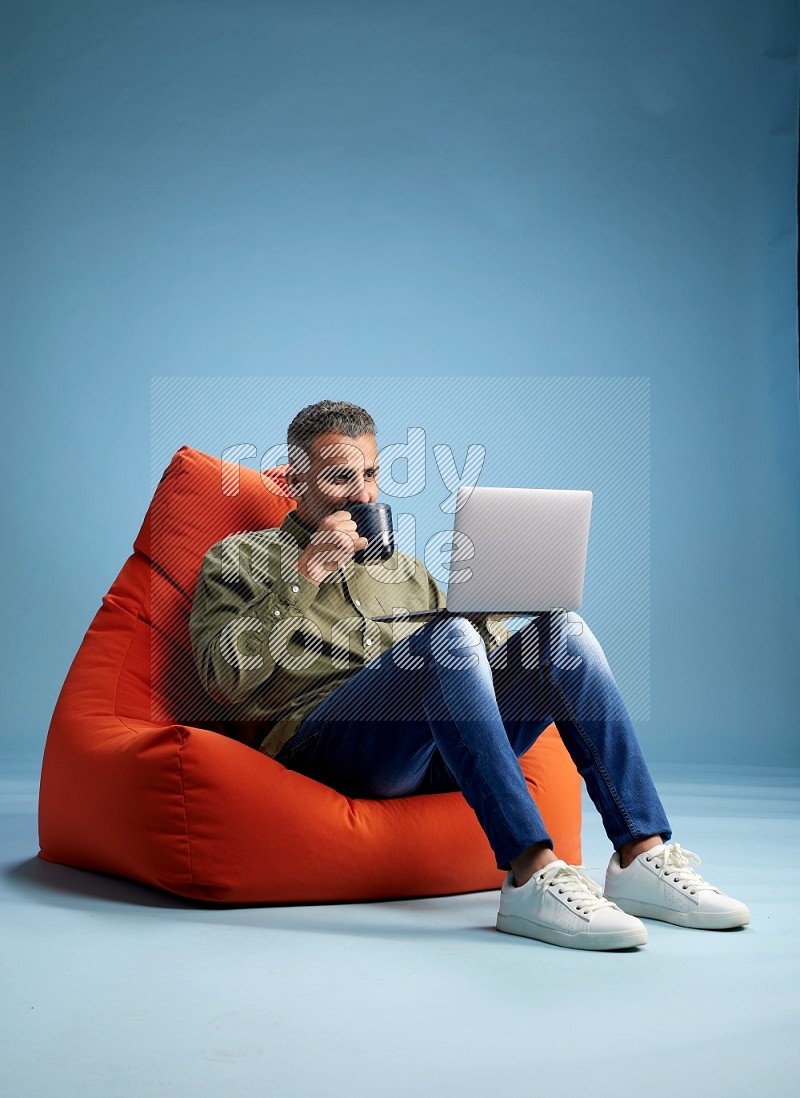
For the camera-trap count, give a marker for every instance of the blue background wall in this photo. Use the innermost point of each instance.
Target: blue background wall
(415, 190)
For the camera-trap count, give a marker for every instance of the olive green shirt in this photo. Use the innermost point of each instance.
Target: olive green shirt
(271, 645)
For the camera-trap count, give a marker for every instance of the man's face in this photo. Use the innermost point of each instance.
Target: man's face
(342, 470)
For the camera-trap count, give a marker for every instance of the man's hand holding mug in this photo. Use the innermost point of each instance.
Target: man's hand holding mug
(332, 544)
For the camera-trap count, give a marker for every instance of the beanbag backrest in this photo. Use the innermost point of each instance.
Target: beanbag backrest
(199, 501)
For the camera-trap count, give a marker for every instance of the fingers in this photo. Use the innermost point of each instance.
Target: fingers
(340, 522)
(334, 545)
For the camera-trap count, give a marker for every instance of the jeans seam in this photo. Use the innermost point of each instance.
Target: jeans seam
(483, 781)
(597, 761)
(297, 746)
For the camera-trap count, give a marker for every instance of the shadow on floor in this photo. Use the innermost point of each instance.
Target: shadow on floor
(66, 887)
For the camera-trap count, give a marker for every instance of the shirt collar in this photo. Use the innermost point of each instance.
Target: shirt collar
(293, 526)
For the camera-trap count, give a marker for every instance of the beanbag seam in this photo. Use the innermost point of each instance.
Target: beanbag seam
(122, 665)
(181, 745)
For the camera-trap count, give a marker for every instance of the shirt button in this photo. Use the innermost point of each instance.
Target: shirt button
(277, 613)
(358, 602)
(295, 588)
(368, 641)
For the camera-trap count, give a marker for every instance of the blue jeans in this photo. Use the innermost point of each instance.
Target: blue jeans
(436, 713)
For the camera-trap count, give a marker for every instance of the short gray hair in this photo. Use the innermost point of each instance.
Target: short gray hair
(338, 416)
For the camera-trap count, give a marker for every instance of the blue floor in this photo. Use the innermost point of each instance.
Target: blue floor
(114, 990)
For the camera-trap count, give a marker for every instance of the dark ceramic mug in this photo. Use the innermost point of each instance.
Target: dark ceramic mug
(373, 522)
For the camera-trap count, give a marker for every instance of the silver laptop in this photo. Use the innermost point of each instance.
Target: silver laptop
(515, 551)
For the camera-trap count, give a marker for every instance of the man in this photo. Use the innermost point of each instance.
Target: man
(282, 632)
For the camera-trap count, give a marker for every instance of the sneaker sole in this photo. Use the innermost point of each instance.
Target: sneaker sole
(696, 920)
(618, 939)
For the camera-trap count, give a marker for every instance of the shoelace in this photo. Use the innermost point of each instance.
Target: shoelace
(570, 882)
(675, 862)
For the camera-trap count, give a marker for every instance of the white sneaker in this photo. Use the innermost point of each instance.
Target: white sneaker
(662, 884)
(563, 906)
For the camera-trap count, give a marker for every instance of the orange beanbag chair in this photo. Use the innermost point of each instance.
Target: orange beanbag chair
(143, 777)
